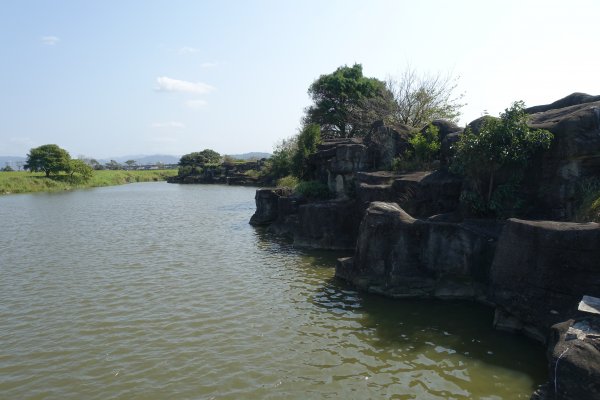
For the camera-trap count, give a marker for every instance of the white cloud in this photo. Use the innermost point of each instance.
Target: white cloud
(50, 40)
(196, 103)
(166, 84)
(170, 124)
(209, 64)
(187, 50)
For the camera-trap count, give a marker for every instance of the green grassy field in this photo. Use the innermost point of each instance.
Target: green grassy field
(27, 182)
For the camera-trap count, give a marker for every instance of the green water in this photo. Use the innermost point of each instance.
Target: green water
(158, 291)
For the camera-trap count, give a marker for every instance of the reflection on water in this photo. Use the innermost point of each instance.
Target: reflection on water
(154, 291)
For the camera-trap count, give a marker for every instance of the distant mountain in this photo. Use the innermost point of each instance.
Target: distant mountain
(248, 156)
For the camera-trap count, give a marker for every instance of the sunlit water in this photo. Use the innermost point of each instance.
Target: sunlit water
(158, 291)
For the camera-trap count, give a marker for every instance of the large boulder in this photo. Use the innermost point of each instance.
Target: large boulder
(422, 194)
(385, 143)
(568, 101)
(540, 271)
(400, 256)
(574, 356)
(336, 162)
(328, 225)
(573, 156)
(267, 205)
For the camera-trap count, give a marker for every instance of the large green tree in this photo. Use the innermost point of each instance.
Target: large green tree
(346, 103)
(48, 158)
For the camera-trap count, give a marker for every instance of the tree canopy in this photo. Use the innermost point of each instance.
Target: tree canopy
(48, 158)
(199, 158)
(341, 99)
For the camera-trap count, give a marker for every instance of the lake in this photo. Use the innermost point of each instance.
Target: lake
(159, 291)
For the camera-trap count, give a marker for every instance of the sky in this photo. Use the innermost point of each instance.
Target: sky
(112, 78)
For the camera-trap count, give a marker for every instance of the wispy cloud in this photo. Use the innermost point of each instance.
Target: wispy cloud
(50, 40)
(166, 84)
(209, 64)
(196, 104)
(187, 50)
(169, 124)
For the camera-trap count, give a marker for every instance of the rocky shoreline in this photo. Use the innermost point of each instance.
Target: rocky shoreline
(410, 238)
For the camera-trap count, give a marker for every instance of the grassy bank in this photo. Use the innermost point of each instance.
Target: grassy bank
(27, 182)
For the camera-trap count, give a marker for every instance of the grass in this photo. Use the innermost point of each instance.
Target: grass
(28, 182)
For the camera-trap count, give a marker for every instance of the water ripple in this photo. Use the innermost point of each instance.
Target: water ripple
(155, 291)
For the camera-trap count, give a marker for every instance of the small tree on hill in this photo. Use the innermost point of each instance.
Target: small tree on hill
(130, 163)
(505, 142)
(420, 99)
(48, 158)
(80, 168)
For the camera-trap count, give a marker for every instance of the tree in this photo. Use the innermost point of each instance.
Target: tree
(420, 99)
(7, 168)
(95, 164)
(81, 168)
(130, 163)
(280, 163)
(48, 158)
(113, 165)
(306, 145)
(505, 142)
(340, 100)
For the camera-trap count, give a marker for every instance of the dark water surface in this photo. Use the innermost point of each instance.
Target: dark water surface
(158, 291)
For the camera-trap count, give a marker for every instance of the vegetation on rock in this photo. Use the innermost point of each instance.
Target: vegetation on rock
(425, 149)
(504, 144)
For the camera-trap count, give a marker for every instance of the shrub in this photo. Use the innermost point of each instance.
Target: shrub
(288, 182)
(588, 204)
(426, 145)
(313, 190)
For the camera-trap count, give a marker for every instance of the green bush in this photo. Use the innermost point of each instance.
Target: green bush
(425, 150)
(288, 182)
(426, 145)
(313, 190)
(588, 204)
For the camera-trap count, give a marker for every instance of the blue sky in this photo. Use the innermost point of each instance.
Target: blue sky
(111, 78)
